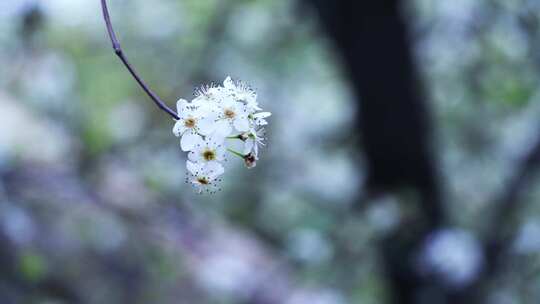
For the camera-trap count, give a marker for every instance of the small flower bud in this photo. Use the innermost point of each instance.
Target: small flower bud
(250, 160)
(244, 136)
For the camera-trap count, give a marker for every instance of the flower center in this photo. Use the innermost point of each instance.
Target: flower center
(190, 122)
(203, 180)
(229, 113)
(209, 155)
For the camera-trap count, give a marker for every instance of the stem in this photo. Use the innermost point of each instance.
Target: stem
(234, 137)
(120, 53)
(236, 153)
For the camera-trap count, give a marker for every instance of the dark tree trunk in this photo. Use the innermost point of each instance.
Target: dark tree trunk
(394, 125)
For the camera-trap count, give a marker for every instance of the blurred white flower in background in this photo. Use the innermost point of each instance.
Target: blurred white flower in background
(384, 214)
(528, 240)
(231, 265)
(503, 296)
(16, 223)
(308, 245)
(225, 273)
(64, 11)
(326, 296)
(42, 140)
(48, 79)
(9, 8)
(126, 121)
(454, 255)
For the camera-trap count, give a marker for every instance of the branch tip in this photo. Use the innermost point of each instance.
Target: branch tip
(118, 51)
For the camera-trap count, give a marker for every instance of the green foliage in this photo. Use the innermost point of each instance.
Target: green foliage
(32, 265)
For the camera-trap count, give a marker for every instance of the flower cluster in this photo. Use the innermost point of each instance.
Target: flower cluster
(216, 115)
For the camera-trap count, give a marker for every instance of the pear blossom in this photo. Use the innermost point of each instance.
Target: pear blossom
(231, 114)
(208, 96)
(208, 151)
(193, 122)
(204, 177)
(243, 93)
(217, 115)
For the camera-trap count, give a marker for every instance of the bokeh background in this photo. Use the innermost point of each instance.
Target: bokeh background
(93, 204)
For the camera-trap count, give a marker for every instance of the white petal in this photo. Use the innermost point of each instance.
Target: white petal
(194, 168)
(207, 125)
(262, 115)
(214, 141)
(214, 169)
(248, 145)
(194, 156)
(204, 108)
(181, 105)
(228, 103)
(241, 124)
(189, 140)
(253, 107)
(198, 186)
(248, 97)
(199, 101)
(261, 122)
(222, 129)
(179, 128)
(256, 150)
(217, 94)
(229, 84)
(220, 153)
(240, 107)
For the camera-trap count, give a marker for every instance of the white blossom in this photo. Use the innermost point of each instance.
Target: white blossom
(208, 151)
(231, 114)
(242, 93)
(204, 177)
(210, 96)
(193, 122)
(217, 115)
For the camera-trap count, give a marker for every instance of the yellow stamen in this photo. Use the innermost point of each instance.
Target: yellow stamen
(229, 113)
(209, 155)
(190, 122)
(203, 180)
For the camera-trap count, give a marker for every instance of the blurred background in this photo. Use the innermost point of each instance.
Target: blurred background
(93, 204)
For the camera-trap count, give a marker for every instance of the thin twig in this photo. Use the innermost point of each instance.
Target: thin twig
(120, 53)
(502, 225)
(500, 231)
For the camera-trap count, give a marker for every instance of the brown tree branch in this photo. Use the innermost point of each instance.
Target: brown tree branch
(120, 53)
